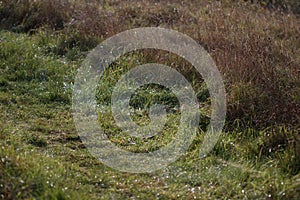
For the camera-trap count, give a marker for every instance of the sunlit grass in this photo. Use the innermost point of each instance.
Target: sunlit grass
(257, 157)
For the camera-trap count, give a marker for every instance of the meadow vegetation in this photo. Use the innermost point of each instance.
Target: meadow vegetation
(256, 47)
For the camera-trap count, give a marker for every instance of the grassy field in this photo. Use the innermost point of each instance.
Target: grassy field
(256, 47)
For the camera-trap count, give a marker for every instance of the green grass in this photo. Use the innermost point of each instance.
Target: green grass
(257, 157)
(43, 157)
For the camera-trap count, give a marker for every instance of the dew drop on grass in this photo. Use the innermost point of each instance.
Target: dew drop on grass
(193, 190)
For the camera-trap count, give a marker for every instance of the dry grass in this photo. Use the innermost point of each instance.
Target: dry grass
(257, 50)
(28, 15)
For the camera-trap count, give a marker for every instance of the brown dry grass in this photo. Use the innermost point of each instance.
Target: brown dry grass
(257, 50)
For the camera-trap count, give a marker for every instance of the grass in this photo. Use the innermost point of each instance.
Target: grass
(256, 50)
